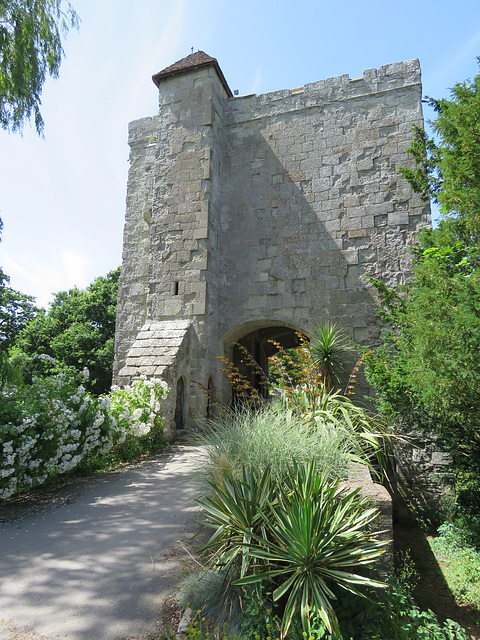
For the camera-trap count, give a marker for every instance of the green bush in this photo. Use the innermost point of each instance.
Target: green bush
(137, 410)
(460, 563)
(48, 428)
(387, 615)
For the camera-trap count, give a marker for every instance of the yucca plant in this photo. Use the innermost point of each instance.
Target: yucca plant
(316, 535)
(366, 438)
(234, 511)
(302, 533)
(330, 349)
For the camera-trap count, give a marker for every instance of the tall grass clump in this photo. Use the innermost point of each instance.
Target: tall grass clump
(268, 437)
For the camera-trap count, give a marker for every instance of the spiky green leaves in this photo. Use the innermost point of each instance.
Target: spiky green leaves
(330, 350)
(303, 534)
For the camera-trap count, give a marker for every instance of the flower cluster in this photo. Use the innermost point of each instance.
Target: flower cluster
(53, 425)
(137, 409)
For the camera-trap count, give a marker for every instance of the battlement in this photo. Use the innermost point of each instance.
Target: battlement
(389, 78)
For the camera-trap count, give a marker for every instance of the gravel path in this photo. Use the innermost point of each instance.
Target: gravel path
(94, 560)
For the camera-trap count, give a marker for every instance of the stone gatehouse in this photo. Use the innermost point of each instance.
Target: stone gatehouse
(253, 217)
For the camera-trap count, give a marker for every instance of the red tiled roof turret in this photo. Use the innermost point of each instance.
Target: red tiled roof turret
(193, 61)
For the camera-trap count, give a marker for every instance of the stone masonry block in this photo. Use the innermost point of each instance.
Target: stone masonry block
(357, 233)
(398, 217)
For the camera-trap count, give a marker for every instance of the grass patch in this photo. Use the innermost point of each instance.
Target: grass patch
(268, 438)
(460, 563)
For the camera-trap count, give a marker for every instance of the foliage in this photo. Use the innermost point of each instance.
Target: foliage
(303, 531)
(295, 367)
(390, 614)
(210, 590)
(330, 348)
(16, 310)
(366, 439)
(267, 438)
(460, 564)
(318, 362)
(448, 168)
(31, 33)
(284, 366)
(198, 629)
(302, 381)
(465, 514)
(345, 429)
(428, 372)
(316, 536)
(235, 511)
(137, 410)
(54, 426)
(78, 331)
(245, 612)
(47, 429)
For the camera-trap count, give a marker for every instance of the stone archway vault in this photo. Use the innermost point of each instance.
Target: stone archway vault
(260, 344)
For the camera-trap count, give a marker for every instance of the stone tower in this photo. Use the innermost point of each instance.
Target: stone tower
(254, 217)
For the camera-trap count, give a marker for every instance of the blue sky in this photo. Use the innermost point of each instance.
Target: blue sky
(62, 199)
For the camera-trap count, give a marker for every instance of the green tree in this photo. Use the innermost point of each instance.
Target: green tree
(428, 372)
(77, 331)
(31, 33)
(16, 310)
(448, 166)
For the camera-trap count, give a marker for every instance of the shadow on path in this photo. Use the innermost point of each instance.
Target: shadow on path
(95, 561)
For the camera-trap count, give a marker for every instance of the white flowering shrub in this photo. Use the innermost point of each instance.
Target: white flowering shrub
(137, 411)
(137, 408)
(53, 426)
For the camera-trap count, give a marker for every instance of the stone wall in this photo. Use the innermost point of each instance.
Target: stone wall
(312, 201)
(261, 215)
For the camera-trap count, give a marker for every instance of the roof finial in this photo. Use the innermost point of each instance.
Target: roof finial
(191, 49)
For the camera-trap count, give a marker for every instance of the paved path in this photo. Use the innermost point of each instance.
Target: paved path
(95, 560)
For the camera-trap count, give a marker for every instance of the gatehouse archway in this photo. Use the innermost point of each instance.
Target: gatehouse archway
(250, 346)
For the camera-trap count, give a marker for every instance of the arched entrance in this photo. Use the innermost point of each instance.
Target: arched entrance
(260, 344)
(180, 409)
